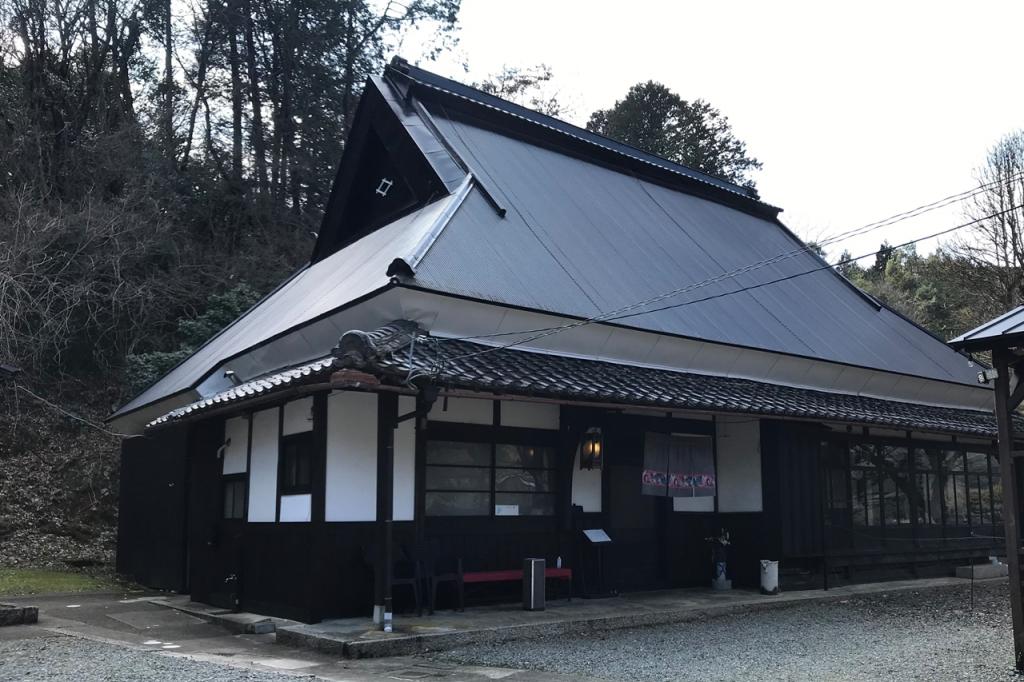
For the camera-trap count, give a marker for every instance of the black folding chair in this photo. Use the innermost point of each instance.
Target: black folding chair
(440, 569)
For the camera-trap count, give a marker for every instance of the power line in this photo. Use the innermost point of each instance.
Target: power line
(615, 315)
(72, 415)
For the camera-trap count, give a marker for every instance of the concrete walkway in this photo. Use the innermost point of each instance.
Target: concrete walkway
(357, 638)
(141, 624)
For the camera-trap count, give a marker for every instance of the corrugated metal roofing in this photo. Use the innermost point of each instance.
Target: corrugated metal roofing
(1005, 329)
(441, 84)
(581, 239)
(345, 276)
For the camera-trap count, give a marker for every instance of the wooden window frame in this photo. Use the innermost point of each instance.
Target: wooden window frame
(492, 436)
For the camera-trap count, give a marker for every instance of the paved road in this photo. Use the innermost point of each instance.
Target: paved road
(125, 637)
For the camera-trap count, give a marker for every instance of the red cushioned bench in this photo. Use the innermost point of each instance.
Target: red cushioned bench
(516, 574)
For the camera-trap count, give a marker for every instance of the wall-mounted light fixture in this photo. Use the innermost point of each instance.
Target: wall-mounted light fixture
(592, 449)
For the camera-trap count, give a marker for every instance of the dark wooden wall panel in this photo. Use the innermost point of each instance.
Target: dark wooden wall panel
(151, 544)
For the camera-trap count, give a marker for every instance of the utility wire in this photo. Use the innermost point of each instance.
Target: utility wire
(72, 415)
(619, 314)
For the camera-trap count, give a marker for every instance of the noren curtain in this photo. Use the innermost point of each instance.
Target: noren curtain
(678, 465)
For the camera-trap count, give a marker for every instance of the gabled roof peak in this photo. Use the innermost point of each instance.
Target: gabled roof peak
(429, 85)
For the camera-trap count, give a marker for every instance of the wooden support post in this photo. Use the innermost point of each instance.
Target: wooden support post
(387, 422)
(1011, 508)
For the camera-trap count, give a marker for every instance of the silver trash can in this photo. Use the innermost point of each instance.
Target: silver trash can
(533, 584)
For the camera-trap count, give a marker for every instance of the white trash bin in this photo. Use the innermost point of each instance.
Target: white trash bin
(769, 576)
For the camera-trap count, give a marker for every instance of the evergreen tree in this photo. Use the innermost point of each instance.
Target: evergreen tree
(653, 118)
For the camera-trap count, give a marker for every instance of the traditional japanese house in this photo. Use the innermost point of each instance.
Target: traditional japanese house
(511, 330)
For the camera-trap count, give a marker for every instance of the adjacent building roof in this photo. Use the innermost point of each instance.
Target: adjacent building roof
(1002, 332)
(402, 353)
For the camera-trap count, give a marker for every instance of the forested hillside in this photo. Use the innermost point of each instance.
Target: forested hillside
(165, 163)
(162, 164)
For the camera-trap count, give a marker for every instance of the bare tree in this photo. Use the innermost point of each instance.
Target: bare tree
(993, 252)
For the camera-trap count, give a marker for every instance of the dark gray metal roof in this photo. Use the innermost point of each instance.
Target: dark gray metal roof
(1003, 331)
(440, 84)
(349, 274)
(571, 232)
(582, 239)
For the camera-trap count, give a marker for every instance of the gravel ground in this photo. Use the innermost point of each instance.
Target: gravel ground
(927, 635)
(69, 658)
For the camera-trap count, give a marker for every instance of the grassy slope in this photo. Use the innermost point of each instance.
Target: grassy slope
(22, 581)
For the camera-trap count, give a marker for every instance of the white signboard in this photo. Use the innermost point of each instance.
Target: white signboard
(596, 535)
(506, 510)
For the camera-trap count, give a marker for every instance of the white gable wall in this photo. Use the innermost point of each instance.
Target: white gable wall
(236, 448)
(351, 481)
(529, 415)
(463, 410)
(298, 416)
(404, 503)
(263, 459)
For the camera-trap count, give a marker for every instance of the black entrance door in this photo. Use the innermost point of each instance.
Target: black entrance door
(636, 522)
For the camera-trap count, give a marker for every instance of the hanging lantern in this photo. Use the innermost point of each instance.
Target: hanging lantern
(592, 449)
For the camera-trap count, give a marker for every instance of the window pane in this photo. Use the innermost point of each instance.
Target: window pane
(229, 501)
(895, 501)
(865, 498)
(926, 460)
(452, 452)
(977, 462)
(956, 501)
(458, 504)
(929, 499)
(458, 478)
(862, 455)
(526, 456)
(997, 499)
(524, 480)
(974, 499)
(894, 456)
(837, 489)
(994, 459)
(952, 460)
(528, 504)
(234, 499)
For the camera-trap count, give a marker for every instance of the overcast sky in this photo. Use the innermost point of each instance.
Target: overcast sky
(858, 111)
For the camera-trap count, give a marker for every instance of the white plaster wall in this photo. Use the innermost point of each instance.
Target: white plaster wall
(298, 416)
(351, 493)
(236, 430)
(739, 464)
(529, 415)
(463, 410)
(263, 459)
(296, 508)
(586, 486)
(404, 504)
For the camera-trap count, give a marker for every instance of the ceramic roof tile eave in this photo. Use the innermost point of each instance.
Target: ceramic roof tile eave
(267, 384)
(472, 366)
(609, 145)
